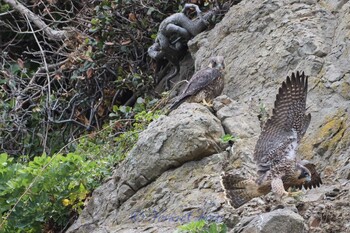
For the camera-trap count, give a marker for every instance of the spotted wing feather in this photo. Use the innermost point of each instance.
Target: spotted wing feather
(288, 122)
(238, 190)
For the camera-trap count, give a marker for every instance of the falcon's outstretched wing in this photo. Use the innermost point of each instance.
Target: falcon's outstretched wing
(283, 131)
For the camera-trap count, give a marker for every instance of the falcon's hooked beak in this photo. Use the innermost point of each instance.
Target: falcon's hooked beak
(308, 178)
(217, 63)
(220, 66)
(304, 173)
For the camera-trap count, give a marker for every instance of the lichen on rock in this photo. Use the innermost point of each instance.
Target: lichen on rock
(325, 140)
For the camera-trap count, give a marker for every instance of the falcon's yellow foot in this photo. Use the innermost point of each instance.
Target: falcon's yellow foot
(295, 194)
(292, 193)
(285, 194)
(205, 103)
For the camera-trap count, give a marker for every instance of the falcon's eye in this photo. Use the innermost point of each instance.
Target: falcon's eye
(304, 174)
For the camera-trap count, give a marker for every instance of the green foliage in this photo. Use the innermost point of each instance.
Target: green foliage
(262, 109)
(192, 227)
(4, 8)
(103, 17)
(50, 190)
(45, 190)
(130, 121)
(228, 138)
(202, 227)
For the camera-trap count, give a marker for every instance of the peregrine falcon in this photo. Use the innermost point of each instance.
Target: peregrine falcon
(204, 85)
(278, 167)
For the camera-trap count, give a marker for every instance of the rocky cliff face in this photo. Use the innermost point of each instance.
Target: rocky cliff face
(172, 175)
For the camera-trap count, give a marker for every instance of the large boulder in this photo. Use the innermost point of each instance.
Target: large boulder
(189, 133)
(281, 220)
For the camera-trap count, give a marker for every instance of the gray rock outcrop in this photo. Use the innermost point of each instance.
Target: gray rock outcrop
(189, 133)
(172, 175)
(281, 220)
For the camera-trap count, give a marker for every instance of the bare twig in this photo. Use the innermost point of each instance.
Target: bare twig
(48, 81)
(51, 33)
(6, 13)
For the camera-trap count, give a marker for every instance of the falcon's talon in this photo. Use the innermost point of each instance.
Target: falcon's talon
(208, 104)
(285, 194)
(295, 193)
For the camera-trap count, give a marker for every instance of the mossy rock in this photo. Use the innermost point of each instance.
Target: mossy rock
(327, 138)
(345, 90)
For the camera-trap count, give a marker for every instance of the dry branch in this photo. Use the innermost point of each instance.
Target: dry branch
(51, 33)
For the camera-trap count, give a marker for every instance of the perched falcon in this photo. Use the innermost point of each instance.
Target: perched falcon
(204, 85)
(275, 151)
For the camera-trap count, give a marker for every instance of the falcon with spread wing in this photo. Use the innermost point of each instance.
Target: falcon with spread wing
(275, 152)
(204, 85)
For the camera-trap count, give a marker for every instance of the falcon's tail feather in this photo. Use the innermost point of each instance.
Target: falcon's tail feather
(177, 102)
(238, 190)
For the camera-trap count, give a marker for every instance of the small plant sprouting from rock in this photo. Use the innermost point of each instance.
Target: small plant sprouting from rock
(229, 138)
(263, 114)
(202, 226)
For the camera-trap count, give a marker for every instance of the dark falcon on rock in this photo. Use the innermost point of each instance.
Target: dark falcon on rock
(278, 167)
(205, 85)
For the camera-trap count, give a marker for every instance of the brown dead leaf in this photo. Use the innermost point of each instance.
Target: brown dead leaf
(118, 126)
(20, 62)
(92, 135)
(132, 17)
(81, 118)
(57, 77)
(52, 2)
(89, 73)
(125, 42)
(109, 43)
(100, 110)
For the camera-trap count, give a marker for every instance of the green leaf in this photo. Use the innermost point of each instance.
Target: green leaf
(3, 159)
(106, 7)
(115, 108)
(95, 21)
(150, 10)
(228, 137)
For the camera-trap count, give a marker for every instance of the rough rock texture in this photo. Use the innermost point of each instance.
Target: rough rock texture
(189, 133)
(172, 174)
(281, 220)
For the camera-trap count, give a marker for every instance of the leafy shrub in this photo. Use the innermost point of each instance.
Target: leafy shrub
(45, 190)
(48, 192)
